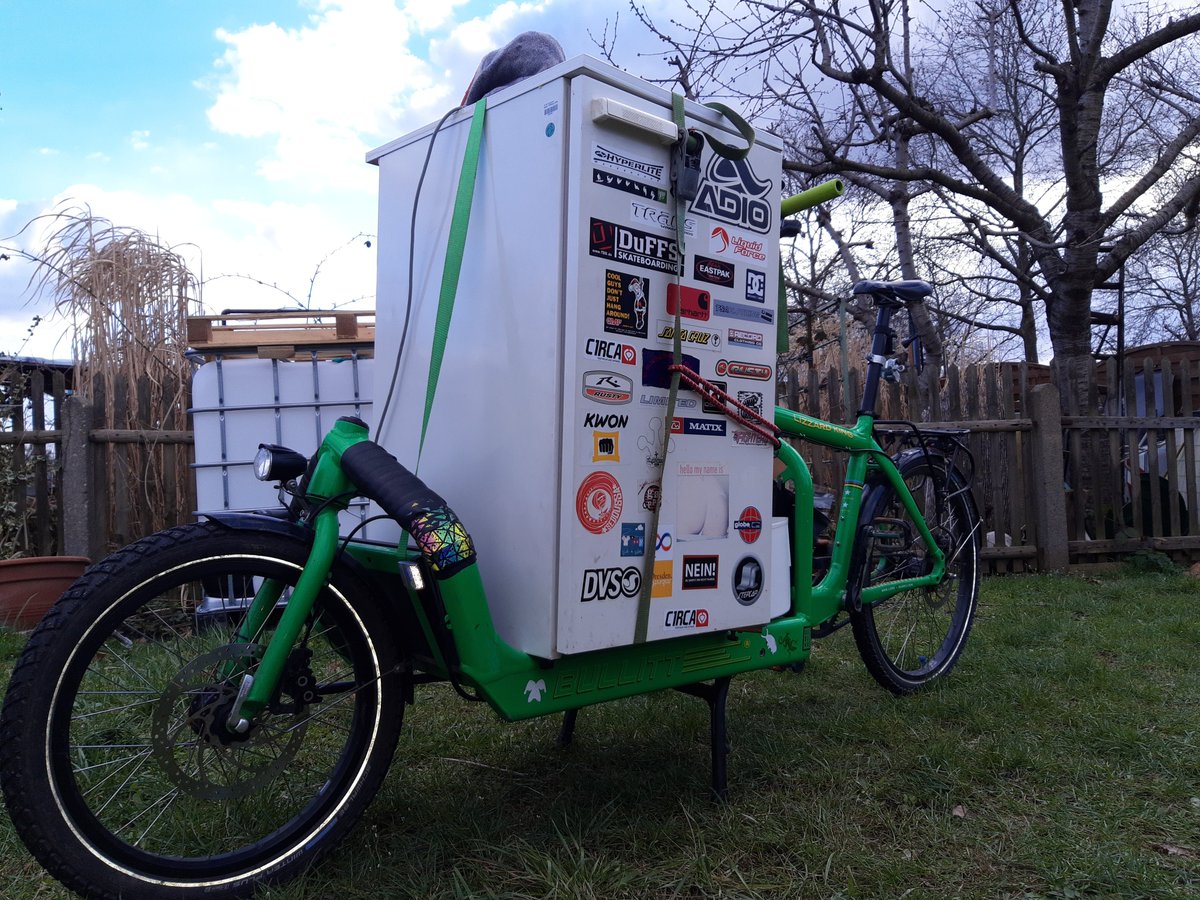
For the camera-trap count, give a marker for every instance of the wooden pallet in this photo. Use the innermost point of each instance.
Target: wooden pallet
(284, 335)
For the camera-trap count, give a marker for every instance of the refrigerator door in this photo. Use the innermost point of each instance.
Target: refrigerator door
(625, 277)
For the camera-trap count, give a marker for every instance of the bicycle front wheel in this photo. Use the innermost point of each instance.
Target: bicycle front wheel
(915, 636)
(121, 769)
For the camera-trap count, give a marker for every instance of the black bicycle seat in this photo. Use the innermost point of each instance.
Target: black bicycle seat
(903, 291)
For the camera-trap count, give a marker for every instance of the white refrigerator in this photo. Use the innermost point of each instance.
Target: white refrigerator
(546, 429)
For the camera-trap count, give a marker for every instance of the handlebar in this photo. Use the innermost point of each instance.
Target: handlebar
(812, 197)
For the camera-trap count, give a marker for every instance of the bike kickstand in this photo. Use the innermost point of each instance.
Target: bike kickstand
(567, 732)
(715, 695)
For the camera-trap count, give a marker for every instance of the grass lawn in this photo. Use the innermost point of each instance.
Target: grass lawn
(1061, 759)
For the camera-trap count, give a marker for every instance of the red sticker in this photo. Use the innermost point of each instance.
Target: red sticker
(598, 502)
(748, 525)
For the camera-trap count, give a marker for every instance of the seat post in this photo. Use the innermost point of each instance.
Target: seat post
(882, 347)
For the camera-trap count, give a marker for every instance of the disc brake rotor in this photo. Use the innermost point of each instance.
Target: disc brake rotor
(192, 742)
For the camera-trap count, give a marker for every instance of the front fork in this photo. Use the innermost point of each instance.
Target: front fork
(256, 690)
(328, 486)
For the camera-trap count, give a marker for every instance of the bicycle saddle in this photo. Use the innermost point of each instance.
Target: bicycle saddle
(904, 291)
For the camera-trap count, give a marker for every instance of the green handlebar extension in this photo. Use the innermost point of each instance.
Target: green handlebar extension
(812, 197)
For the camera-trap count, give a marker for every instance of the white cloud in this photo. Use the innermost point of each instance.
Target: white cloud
(137, 140)
(358, 74)
(47, 151)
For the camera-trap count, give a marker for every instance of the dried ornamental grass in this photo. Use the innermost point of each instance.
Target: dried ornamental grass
(128, 298)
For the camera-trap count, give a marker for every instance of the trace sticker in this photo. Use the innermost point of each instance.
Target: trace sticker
(598, 502)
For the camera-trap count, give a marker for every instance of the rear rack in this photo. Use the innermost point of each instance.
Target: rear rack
(895, 435)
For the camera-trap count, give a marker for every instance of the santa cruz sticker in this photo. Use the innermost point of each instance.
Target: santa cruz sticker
(598, 502)
(747, 580)
(690, 335)
(608, 240)
(731, 191)
(749, 524)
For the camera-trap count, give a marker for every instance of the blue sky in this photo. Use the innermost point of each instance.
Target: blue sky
(235, 131)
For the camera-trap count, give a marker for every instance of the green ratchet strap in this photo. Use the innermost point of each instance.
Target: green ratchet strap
(455, 247)
(782, 336)
(740, 125)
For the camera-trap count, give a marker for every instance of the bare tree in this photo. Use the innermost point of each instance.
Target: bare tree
(1091, 103)
(1163, 290)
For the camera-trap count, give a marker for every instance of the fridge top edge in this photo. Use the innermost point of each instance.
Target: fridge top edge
(574, 67)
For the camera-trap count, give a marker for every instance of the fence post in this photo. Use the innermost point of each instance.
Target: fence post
(1051, 501)
(75, 488)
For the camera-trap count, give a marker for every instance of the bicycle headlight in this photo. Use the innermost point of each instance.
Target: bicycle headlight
(275, 463)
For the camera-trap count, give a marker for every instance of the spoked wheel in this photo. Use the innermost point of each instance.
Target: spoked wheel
(915, 636)
(122, 769)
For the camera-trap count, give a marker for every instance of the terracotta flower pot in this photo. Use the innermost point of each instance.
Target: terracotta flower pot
(29, 587)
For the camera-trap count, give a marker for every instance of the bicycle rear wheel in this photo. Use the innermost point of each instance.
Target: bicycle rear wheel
(120, 769)
(915, 636)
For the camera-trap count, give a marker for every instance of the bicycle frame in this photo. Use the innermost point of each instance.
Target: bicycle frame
(456, 625)
(520, 686)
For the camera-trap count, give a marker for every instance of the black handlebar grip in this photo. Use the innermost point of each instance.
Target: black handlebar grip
(443, 539)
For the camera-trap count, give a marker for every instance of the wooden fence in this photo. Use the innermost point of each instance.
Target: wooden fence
(1120, 475)
(1052, 490)
(77, 486)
